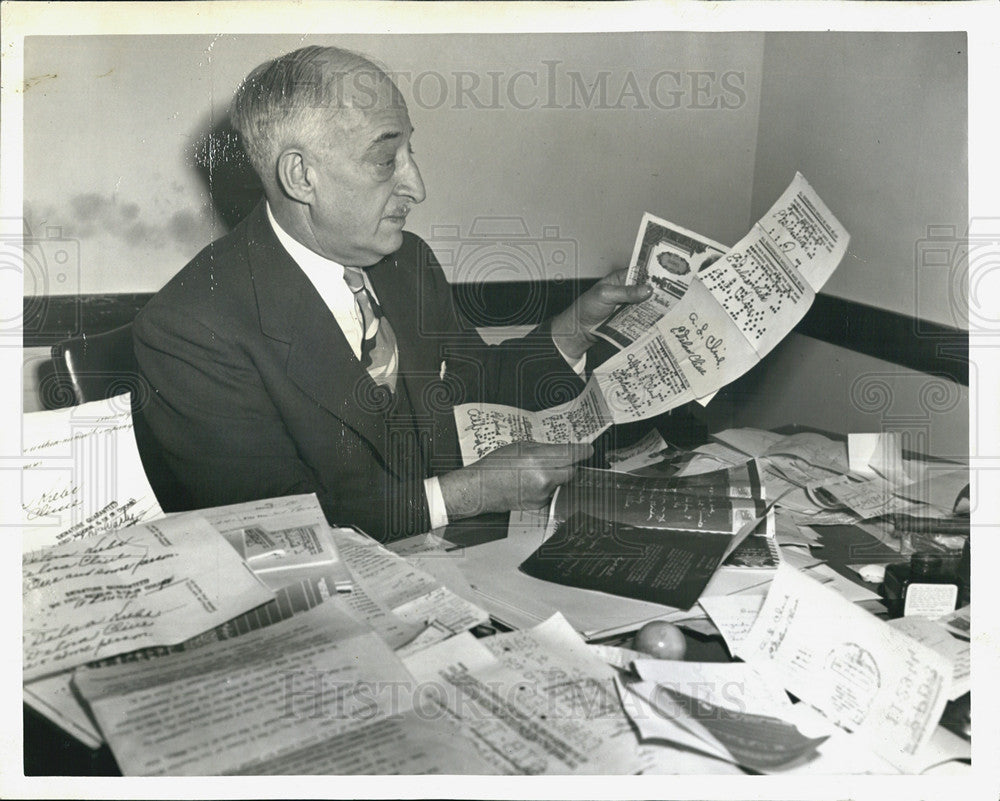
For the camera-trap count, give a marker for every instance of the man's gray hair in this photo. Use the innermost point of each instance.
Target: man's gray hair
(294, 97)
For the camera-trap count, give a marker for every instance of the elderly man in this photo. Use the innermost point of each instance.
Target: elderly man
(316, 349)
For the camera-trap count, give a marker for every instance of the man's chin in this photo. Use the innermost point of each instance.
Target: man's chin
(389, 241)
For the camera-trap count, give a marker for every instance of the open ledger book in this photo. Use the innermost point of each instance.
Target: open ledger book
(653, 539)
(711, 318)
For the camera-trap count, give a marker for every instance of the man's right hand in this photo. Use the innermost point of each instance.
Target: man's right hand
(522, 475)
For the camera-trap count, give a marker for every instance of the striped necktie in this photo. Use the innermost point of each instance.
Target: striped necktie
(378, 344)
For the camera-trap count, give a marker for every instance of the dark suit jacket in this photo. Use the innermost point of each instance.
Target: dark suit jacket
(256, 392)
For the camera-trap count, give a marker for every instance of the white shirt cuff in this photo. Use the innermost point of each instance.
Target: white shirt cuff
(435, 502)
(578, 366)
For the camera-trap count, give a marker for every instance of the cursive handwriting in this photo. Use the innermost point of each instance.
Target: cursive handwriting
(52, 502)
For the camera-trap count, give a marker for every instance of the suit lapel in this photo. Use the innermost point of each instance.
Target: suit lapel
(320, 360)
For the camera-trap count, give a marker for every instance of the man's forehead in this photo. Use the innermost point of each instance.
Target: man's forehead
(374, 112)
(369, 127)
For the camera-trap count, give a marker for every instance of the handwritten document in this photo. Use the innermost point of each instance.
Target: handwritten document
(934, 634)
(81, 473)
(733, 615)
(857, 670)
(731, 310)
(53, 697)
(147, 585)
(484, 427)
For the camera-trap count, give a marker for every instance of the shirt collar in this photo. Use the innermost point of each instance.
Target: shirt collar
(325, 274)
(309, 260)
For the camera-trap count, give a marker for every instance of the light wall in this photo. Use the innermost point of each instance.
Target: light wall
(878, 124)
(114, 127)
(817, 385)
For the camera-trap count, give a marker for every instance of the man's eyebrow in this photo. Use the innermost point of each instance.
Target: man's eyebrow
(385, 137)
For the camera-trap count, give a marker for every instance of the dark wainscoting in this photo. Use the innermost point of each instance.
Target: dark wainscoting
(897, 338)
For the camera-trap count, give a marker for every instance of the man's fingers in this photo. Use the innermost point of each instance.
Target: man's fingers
(556, 456)
(615, 278)
(613, 295)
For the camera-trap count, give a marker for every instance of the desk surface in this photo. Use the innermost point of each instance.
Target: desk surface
(48, 751)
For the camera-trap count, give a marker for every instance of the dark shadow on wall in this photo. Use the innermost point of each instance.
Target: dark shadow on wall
(224, 168)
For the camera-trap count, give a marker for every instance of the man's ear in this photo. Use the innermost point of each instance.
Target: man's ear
(294, 176)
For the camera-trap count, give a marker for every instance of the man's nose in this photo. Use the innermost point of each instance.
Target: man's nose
(410, 183)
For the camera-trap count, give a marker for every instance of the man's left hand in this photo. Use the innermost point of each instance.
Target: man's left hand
(571, 329)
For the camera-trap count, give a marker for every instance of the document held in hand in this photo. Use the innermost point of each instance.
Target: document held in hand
(733, 311)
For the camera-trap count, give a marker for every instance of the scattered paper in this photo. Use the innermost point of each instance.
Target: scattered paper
(739, 713)
(733, 615)
(536, 702)
(430, 553)
(958, 622)
(284, 539)
(730, 457)
(397, 585)
(939, 485)
(147, 585)
(53, 696)
(935, 635)
(860, 449)
(862, 674)
(81, 473)
(878, 454)
(651, 449)
(866, 497)
(616, 656)
(306, 694)
(846, 753)
(751, 441)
